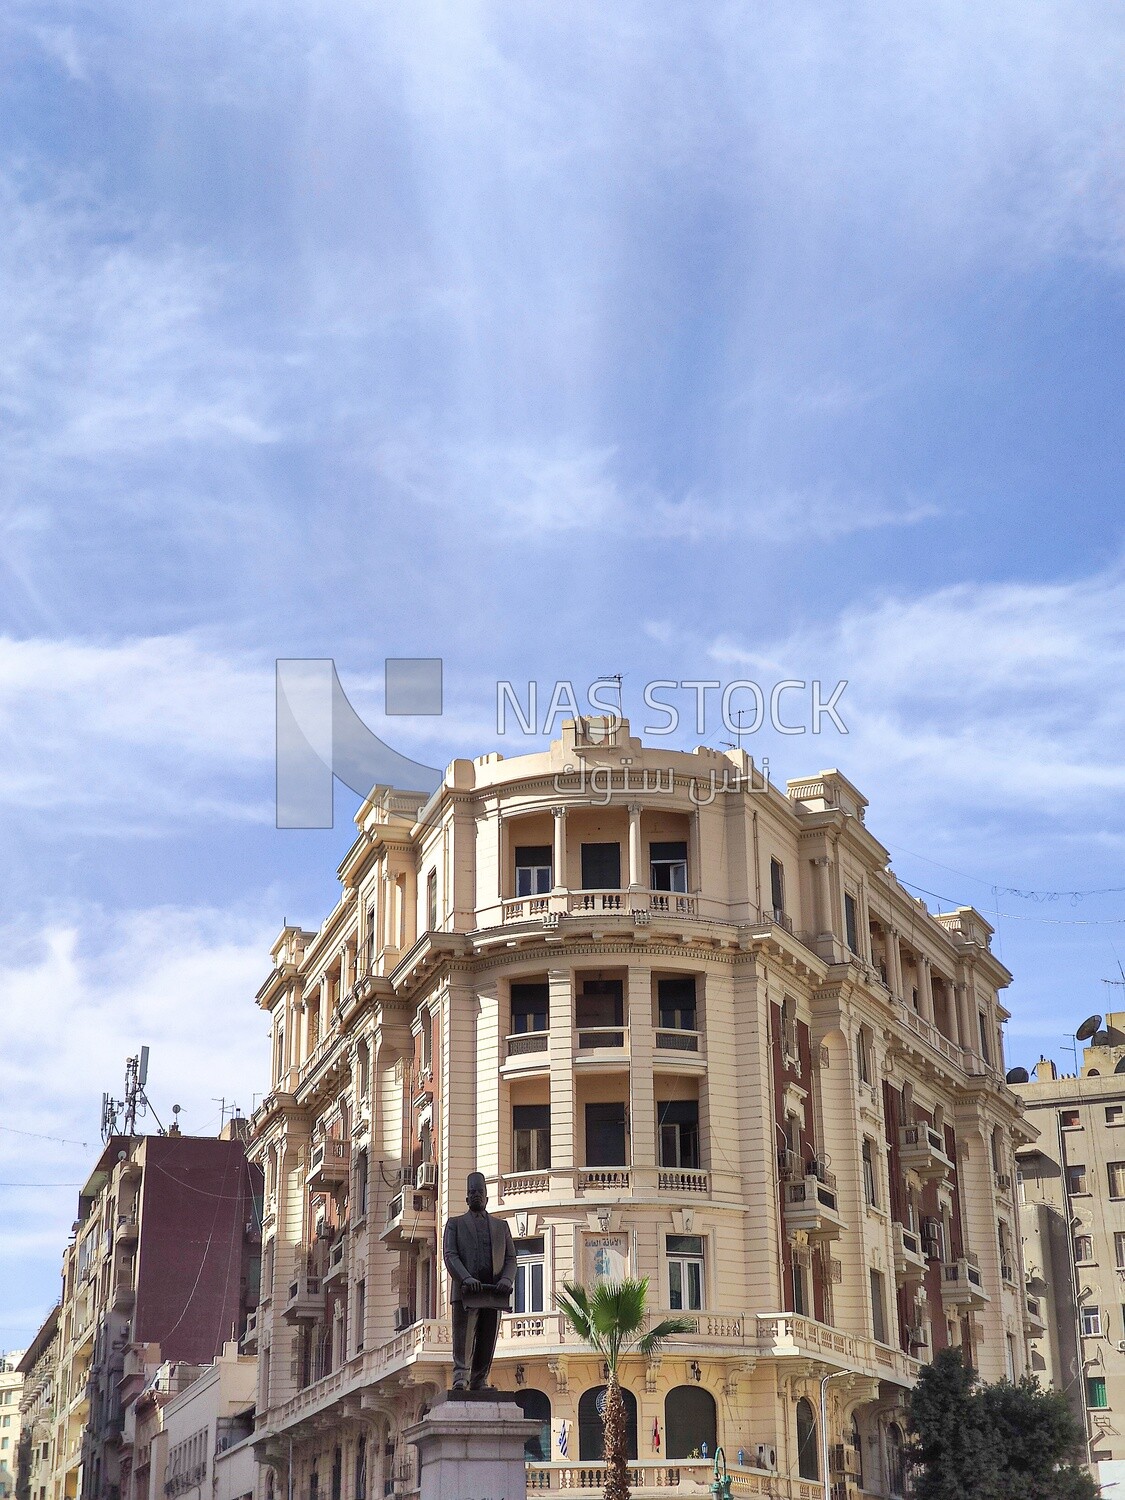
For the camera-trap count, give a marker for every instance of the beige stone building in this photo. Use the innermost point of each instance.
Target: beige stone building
(1072, 1220)
(39, 1368)
(690, 1027)
(11, 1389)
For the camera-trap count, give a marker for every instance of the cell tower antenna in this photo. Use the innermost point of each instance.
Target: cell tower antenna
(135, 1105)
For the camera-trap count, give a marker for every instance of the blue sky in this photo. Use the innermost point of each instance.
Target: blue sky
(744, 340)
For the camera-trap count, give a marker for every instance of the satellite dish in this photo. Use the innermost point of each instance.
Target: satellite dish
(1087, 1029)
(1101, 1038)
(1017, 1075)
(1116, 1037)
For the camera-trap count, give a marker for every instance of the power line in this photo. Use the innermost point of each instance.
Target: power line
(37, 1136)
(1011, 890)
(1020, 916)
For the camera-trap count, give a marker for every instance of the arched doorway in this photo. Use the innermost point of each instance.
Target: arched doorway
(591, 1434)
(896, 1460)
(689, 1421)
(536, 1407)
(808, 1459)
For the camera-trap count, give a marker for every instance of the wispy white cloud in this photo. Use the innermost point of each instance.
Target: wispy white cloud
(81, 992)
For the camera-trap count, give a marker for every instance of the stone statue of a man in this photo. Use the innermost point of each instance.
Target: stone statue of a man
(481, 1259)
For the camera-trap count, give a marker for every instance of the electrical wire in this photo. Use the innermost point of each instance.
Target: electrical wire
(35, 1135)
(1020, 916)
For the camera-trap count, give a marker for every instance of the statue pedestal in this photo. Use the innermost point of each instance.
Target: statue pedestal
(471, 1447)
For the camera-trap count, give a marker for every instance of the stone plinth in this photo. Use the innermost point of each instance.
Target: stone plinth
(472, 1449)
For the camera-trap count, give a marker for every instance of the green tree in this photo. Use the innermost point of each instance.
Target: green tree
(992, 1442)
(611, 1320)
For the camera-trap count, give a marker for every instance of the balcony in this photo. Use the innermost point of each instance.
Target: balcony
(810, 1204)
(124, 1293)
(687, 1475)
(410, 1217)
(910, 1260)
(127, 1228)
(922, 1150)
(305, 1299)
(604, 1180)
(248, 1344)
(683, 1180)
(1034, 1318)
(962, 1285)
(329, 1164)
(337, 1268)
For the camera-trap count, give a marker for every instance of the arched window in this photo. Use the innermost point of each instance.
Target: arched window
(808, 1460)
(361, 1468)
(896, 1466)
(536, 1407)
(689, 1421)
(591, 1434)
(1120, 1068)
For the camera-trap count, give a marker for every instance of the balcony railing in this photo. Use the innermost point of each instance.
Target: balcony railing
(591, 1037)
(922, 1150)
(682, 1180)
(962, 1283)
(910, 1261)
(669, 1040)
(329, 1163)
(689, 1475)
(524, 1043)
(604, 1179)
(810, 1204)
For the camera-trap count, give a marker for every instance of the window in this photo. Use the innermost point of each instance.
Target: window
(1116, 1173)
(676, 1003)
(591, 1432)
(533, 869)
(599, 1008)
(361, 1184)
(851, 926)
(808, 1459)
(869, 1189)
(678, 1122)
(431, 901)
(1091, 1322)
(1076, 1179)
(530, 1271)
(1095, 1391)
(531, 1006)
(536, 1407)
(605, 1135)
(1083, 1247)
(863, 1067)
(1115, 1114)
(878, 1308)
(685, 1271)
(531, 1137)
(985, 1050)
(1119, 1250)
(777, 888)
(601, 867)
(800, 1295)
(361, 1468)
(1070, 1119)
(896, 1460)
(668, 867)
(690, 1424)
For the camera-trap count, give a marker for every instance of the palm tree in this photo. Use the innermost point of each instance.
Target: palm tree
(611, 1320)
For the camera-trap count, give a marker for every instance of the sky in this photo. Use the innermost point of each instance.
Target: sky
(678, 342)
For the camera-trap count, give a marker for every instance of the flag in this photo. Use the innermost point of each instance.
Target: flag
(656, 1434)
(562, 1439)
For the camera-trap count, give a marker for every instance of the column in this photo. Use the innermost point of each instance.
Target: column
(635, 865)
(823, 900)
(559, 857)
(695, 854)
(925, 991)
(968, 1035)
(642, 1043)
(894, 962)
(561, 1043)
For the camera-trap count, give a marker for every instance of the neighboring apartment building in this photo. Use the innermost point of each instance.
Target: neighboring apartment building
(39, 1368)
(689, 1027)
(165, 1253)
(1072, 1220)
(191, 1431)
(11, 1386)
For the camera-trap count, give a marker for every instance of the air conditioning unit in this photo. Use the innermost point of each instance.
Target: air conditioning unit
(767, 1457)
(403, 1318)
(918, 1335)
(427, 1175)
(1121, 1346)
(404, 1176)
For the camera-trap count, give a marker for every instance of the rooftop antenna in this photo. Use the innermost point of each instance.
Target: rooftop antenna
(615, 677)
(222, 1103)
(135, 1105)
(1087, 1030)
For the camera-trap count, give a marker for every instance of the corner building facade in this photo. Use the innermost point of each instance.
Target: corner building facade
(690, 1027)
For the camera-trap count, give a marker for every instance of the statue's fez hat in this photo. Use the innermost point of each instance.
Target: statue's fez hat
(476, 1182)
